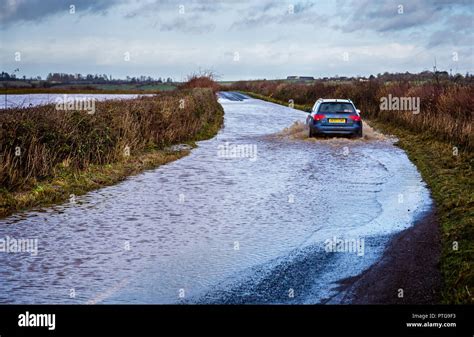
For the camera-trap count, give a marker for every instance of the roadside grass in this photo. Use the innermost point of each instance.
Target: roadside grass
(449, 176)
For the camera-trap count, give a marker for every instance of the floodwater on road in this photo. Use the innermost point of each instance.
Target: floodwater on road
(247, 217)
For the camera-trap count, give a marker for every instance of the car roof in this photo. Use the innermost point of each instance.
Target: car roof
(342, 100)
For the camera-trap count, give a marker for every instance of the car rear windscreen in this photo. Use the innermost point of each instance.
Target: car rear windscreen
(336, 107)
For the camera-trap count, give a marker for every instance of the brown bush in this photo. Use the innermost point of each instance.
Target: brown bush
(201, 80)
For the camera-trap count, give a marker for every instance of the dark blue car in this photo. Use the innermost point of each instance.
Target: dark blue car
(334, 117)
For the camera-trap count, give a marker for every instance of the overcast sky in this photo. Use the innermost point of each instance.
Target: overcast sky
(236, 39)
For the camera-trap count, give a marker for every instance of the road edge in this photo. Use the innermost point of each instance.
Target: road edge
(408, 271)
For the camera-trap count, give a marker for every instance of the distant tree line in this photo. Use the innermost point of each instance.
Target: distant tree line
(86, 79)
(407, 76)
(65, 78)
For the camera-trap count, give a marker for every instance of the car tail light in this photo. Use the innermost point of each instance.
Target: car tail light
(318, 117)
(355, 118)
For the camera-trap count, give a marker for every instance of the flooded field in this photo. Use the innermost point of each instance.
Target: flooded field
(28, 100)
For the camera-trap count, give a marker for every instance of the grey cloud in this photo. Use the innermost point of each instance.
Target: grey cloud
(190, 25)
(189, 6)
(12, 12)
(444, 37)
(190, 21)
(461, 23)
(253, 21)
(303, 6)
(383, 16)
(458, 31)
(280, 15)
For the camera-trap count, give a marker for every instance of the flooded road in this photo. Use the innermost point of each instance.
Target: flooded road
(247, 217)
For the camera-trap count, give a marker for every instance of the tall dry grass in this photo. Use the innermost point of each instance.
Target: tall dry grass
(446, 112)
(48, 139)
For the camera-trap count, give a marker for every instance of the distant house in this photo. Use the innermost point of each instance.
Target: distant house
(301, 78)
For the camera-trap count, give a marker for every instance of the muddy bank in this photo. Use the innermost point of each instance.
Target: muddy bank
(410, 263)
